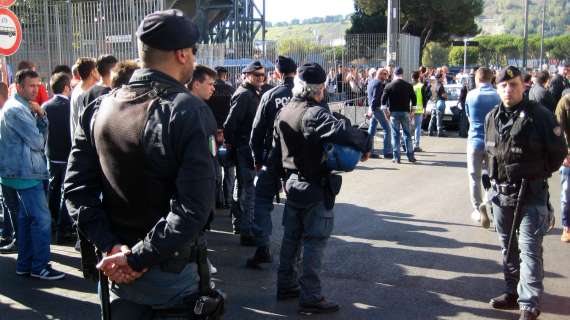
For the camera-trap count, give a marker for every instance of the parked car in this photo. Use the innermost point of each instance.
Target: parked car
(451, 114)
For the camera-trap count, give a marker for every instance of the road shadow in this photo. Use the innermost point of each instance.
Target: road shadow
(442, 152)
(451, 164)
(61, 299)
(374, 168)
(366, 269)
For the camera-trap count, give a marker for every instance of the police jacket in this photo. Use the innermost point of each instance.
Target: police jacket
(220, 101)
(557, 85)
(237, 128)
(301, 130)
(524, 142)
(262, 129)
(152, 164)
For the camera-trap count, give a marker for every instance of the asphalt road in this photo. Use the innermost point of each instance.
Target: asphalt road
(403, 247)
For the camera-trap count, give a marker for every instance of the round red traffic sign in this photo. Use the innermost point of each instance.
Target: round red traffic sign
(10, 32)
(6, 3)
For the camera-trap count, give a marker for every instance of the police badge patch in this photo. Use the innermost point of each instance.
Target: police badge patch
(557, 131)
(212, 145)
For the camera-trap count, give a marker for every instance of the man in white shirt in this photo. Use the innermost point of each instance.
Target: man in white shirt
(89, 77)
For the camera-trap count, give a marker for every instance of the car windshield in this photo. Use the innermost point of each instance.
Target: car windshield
(453, 93)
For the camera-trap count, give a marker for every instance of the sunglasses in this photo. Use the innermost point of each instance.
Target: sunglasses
(258, 75)
(194, 49)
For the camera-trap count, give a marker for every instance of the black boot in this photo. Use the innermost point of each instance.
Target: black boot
(262, 255)
(505, 301)
(291, 293)
(247, 240)
(322, 306)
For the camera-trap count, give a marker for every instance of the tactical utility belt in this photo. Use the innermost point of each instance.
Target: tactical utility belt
(506, 188)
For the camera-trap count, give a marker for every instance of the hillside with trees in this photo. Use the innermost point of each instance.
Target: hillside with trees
(501, 15)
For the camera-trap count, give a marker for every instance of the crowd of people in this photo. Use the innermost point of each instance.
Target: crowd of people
(135, 157)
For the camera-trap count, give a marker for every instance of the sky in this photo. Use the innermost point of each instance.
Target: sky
(286, 10)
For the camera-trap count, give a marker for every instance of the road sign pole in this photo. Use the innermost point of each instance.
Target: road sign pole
(542, 33)
(4, 69)
(525, 44)
(465, 56)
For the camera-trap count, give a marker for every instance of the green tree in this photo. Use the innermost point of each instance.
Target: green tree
(456, 55)
(371, 7)
(558, 47)
(432, 20)
(364, 23)
(435, 55)
(497, 49)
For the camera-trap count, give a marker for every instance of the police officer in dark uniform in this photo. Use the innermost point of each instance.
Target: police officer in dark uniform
(302, 129)
(268, 172)
(220, 104)
(237, 131)
(524, 146)
(141, 179)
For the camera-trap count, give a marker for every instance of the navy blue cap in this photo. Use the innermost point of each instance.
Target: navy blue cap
(168, 30)
(285, 65)
(221, 69)
(252, 67)
(312, 73)
(508, 73)
(399, 71)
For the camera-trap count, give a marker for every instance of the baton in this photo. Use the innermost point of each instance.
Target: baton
(104, 294)
(518, 209)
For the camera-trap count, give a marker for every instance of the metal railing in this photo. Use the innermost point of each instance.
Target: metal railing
(58, 32)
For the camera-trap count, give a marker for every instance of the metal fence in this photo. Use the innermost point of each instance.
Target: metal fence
(58, 32)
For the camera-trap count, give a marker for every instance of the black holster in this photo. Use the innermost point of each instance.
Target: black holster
(196, 307)
(88, 259)
(207, 303)
(331, 185)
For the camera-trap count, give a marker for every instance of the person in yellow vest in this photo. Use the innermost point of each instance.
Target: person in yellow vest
(422, 99)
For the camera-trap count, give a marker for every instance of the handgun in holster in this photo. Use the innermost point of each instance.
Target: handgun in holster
(207, 303)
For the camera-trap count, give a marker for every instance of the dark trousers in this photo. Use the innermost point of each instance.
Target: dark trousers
(267, 185)
(306, 229)
(246, 189)
(219, 185)
(463, 124)
(10, 206)
(56, 202)
(228, 184)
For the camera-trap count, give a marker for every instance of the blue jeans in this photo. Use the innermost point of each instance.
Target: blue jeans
(246, 192)
(155, 289)
(565, 195)
(418, 118)
(307, 228)
(10, 206)
(378, 116)
(267, 185)
(436, 121)
(34, 230)
(523, 272)
(401, 119)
